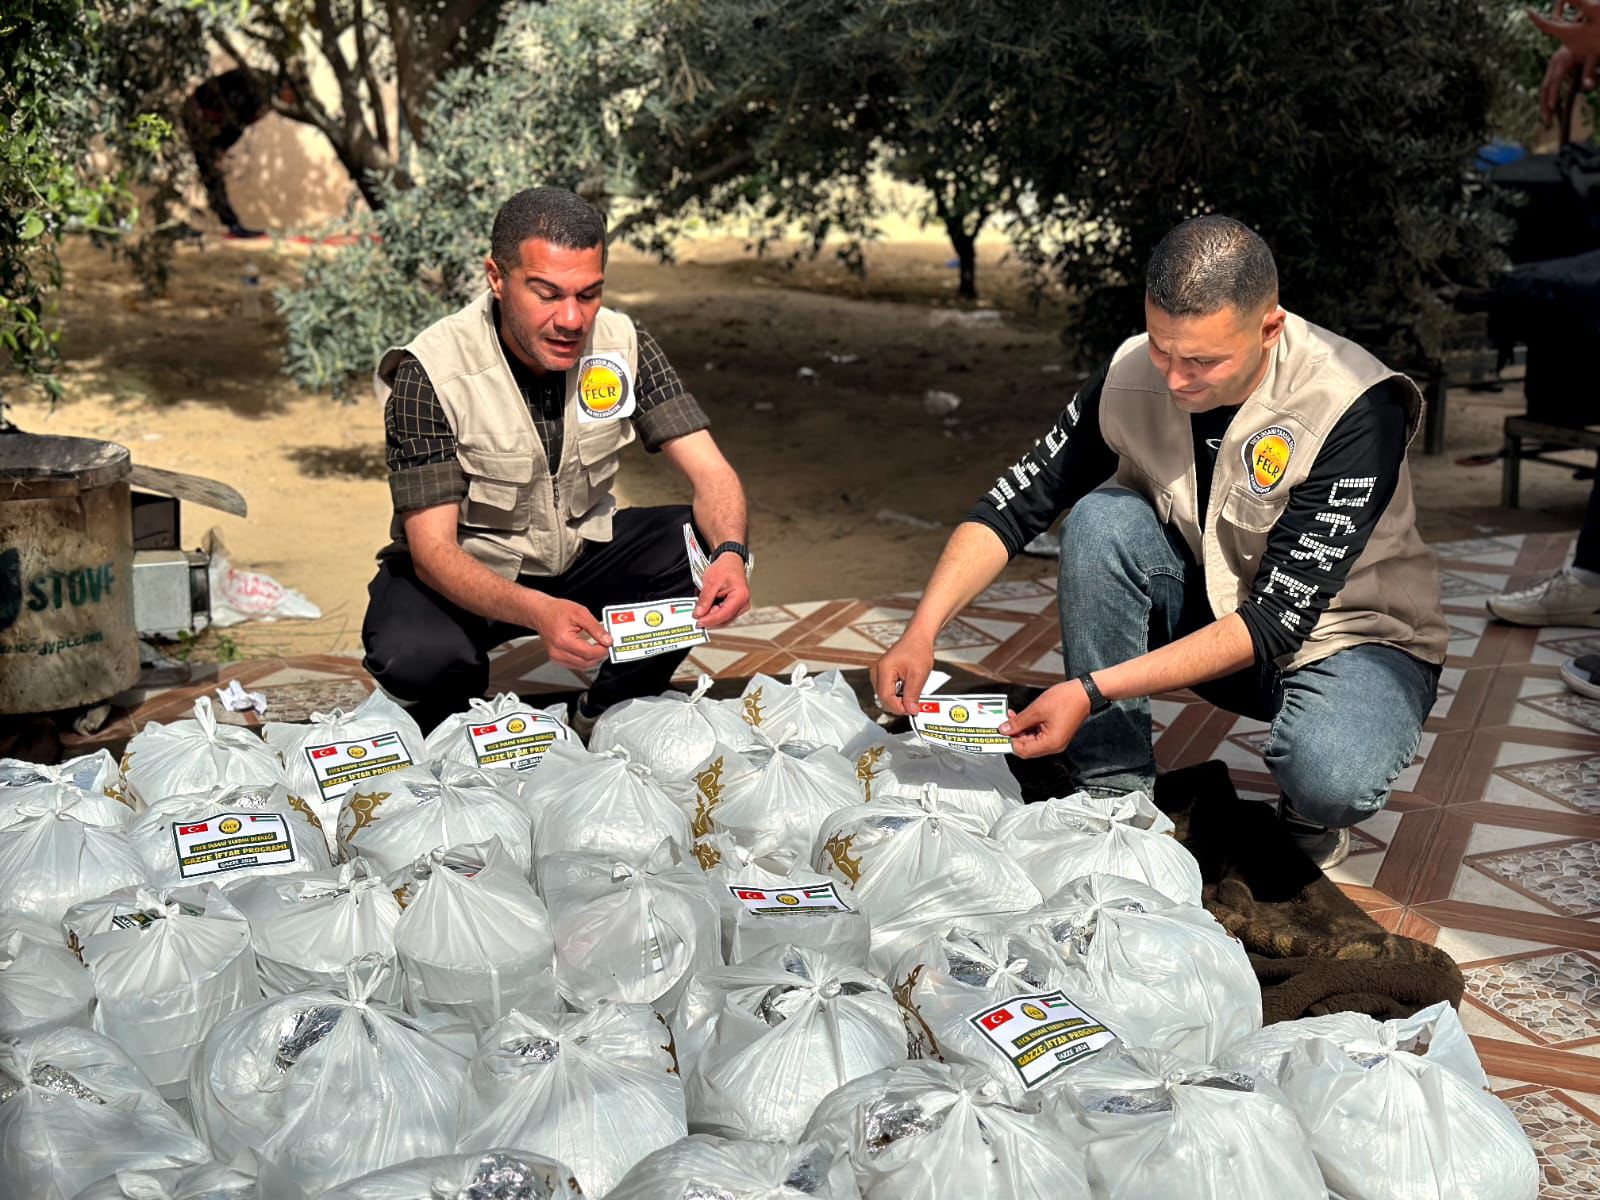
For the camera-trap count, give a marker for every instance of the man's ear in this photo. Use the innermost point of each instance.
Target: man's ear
(497, 281)
(1272, 326)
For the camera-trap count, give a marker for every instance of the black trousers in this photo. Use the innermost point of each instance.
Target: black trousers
(423, 649)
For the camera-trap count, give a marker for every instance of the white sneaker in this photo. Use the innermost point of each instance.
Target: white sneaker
(1582, 675)
(1557, 599)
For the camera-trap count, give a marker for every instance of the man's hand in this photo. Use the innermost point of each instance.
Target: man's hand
(1580, 48)
(574, 638)
(1050, 722)
(724, 591)
(908, 663)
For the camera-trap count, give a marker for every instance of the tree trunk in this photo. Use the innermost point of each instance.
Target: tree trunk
(966, 248)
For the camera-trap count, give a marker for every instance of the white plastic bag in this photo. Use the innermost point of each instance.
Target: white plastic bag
(399, 817)
(1067, 838)
(75, 1110)
(1159, 1126)
(167, 966)
(820, 709)
(766, 1040)
(43, 986)
(474, 940)
(627, 933)
(931, 1131)
(327, 1086)
(195, 755)
(918, 870)
(1164, 976)
(246, 1177)
(772, 799)
(19, 803)
(489, 1175)
(704, 1167)
(95, 772)
(306, 928)
(324, 759)
(228, 835)
(53, 857)
(504, 734)
(238, 595)
(775, 901)
(596, 1090)
(603, 804)
(673, 733)
(902, 766)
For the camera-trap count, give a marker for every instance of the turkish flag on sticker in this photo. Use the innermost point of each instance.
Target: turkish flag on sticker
(480, 730)
(751, 894)
(324, 751)
(621, 618)
(186, 830)
(996, 1019)
(927, 706)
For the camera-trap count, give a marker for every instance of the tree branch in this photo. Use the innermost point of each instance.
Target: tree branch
(715, 173)
(380, 118)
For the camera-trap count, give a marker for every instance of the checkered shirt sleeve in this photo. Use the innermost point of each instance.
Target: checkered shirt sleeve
(666, 409)
(419, 445)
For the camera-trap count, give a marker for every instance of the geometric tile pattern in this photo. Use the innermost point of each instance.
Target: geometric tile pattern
(1553, 998)
(1566, 1137)
(1573, 781)
(1565, 876)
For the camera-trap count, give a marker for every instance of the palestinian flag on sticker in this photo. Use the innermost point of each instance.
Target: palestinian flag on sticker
(811, 893)
(991, 707)
(687, 606)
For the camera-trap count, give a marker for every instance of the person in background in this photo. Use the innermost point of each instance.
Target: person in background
(214, 117)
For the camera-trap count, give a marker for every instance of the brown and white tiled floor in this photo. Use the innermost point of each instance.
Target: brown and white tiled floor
(1490, 846)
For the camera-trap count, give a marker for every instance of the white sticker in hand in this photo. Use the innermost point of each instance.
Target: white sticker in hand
(969, 724)
(657, 627)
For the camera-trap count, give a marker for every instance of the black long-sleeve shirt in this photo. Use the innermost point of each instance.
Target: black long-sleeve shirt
(1309, 551)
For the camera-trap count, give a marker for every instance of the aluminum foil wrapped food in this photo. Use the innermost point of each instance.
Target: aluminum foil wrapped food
(765, 1041)
(703, 1167)
(75, 1110)
(772, 798)
(247, 1176)
(403, 815)
(776, 900)
(227, 835)
(498, 1174)
(673, 734)
(927, 1130)
(608, 804)
(59, 846)
(819, 709)
(902, 765)
(329, 1086)
(197, 755)
(597, 1090)
(43, 986)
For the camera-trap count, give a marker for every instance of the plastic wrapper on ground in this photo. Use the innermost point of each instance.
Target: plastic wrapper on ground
(820, 709)
(597, 1091)
(306, 928)
(167, 966)
(399, 817)
(329, 1086)
(474, 941)
(43, 986)
(935, 1131)
(246, 1177)
(918, 870)
(75, 1110)
(53, 857)
(900, 766)
(703, 1167)
(606, 804)
(672, 734)
(155, 834)
(626, 933)
(846, 935)
(1065, 839)
(765, 1041)
(772, 799)
(198, 755)
(1159, 1126)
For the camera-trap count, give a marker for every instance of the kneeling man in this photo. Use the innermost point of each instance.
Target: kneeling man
(505, 424)
(1256, 542)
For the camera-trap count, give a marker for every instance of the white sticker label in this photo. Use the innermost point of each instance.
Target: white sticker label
(338, 766)
(658, 627)
(1041, 1034)
(517, 740)
(969, 724)
(782, 902)
(605, 390)
(229, 841)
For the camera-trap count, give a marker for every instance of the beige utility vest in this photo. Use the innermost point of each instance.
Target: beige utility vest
(517, 518)
(1392, 592)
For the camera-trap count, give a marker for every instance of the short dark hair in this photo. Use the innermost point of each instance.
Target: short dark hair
(1209, 262)
(550, 214)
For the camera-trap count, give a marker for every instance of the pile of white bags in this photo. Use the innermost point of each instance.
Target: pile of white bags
(1162, 975)
(769, 901)
(772, 799)
(75, 1110)
(703, 1167)
(1065, 839)
(766, 1040)
(903, 765)
(58, 848)
(328, 1086)
(603, 804)
(401, 816)
(628, 933)
(820, 709)
(927, 1131)
(247, 1177)
(324, 759)
(474, 941)
(197, 755)
(596, 1090)
(503, 734)
(1158, 1126)
(228, 835)
(307, 927)
(43, 986)
(918, 869)
(492, 1175)
(672, 734)
(167, 966)
(1397, 1109)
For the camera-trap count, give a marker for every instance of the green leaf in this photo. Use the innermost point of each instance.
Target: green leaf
(32, 226)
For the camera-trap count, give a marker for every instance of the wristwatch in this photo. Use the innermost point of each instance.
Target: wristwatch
(1097, 702)
(738, 548)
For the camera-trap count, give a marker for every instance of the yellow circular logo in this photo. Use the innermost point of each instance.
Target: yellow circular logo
(230, 825)
(516, 725)
(652, 619)
(959, 714)
(1033, 1012)
(600, 387)
(1266, 458)
(357, 752)
(785, 898)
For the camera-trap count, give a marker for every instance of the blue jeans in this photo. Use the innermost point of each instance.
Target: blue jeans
(1342, 729)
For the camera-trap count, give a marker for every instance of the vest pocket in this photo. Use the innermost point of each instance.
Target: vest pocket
(599, 458)
(498, 489)
(1258, 514)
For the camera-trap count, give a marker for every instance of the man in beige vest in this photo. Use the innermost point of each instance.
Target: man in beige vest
(1258, 545)
(506, 423)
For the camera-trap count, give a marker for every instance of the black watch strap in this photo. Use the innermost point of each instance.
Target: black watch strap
(1097, 702)
(738, 548)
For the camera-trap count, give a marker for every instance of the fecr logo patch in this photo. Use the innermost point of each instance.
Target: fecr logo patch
(604, 390)
(1266, 458)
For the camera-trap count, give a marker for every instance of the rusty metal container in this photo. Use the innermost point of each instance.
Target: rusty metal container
(67, 636)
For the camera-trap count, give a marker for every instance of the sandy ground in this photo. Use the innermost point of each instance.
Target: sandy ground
(814, 381)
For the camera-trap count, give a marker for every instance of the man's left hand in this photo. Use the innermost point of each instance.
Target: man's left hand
(1049, 723)
(724, 592)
